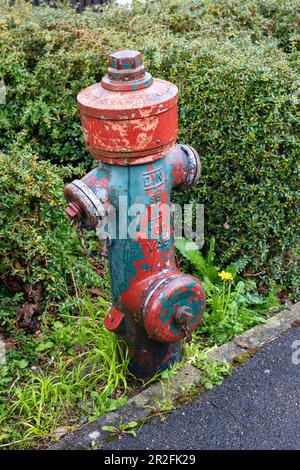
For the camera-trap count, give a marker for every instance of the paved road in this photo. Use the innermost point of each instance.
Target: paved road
(258, 407)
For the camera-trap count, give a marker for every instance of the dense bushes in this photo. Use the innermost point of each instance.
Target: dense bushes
(237, 66)
(40, 252)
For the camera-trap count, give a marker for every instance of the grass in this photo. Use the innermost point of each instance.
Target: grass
(79, 374)
(73, 370)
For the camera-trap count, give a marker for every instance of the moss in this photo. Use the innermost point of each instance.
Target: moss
(244, 356)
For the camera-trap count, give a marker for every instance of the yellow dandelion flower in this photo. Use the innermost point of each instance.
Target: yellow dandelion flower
(225, 276)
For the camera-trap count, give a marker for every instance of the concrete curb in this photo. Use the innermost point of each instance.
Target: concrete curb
(139, 407)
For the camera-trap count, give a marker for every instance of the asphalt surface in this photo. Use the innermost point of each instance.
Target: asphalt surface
(257, 407)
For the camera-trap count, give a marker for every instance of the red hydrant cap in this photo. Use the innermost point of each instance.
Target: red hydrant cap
(129, 117)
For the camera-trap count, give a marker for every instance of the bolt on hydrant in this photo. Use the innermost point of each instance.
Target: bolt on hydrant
(130, 124)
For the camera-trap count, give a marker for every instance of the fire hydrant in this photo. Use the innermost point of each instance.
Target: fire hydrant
(130, 124)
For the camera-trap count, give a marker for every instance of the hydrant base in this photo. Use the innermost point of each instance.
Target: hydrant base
(157, 359)
(147, 356)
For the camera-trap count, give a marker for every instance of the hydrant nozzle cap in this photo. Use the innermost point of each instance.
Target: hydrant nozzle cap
(73, 210)
(126, 72)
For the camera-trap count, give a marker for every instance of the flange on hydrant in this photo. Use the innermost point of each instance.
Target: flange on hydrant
(130, 125)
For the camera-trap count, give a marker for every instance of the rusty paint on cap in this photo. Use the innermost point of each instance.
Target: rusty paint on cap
(129, 118)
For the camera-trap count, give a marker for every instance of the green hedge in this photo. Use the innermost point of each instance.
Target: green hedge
(41, 258)
(237, 67)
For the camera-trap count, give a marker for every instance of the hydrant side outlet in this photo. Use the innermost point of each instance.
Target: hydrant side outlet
(130, 124)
